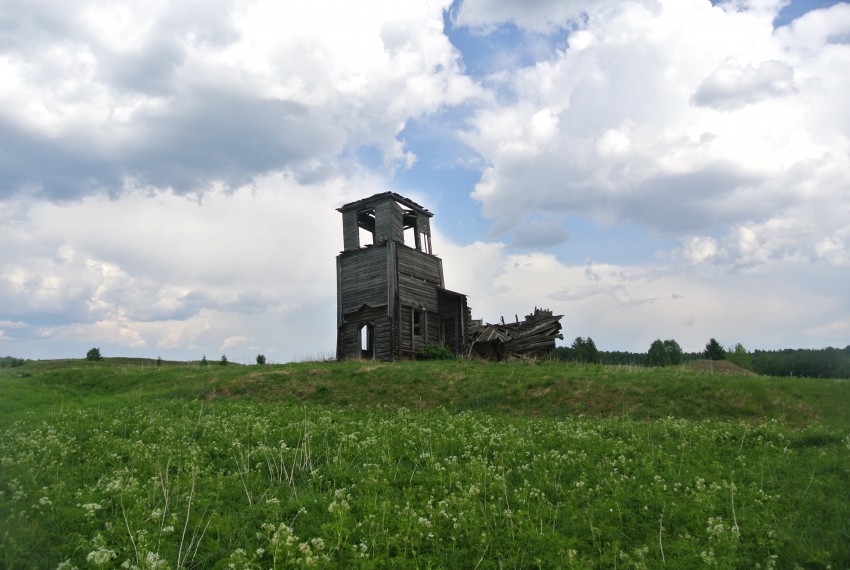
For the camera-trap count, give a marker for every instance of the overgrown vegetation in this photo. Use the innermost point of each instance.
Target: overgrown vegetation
(664, 353)
(820, 363)
(714, 351)
(94, 354)
(441, 464)
(11, 362)
(812, 363)
(740, 357)
(582, 350)
(436, 352)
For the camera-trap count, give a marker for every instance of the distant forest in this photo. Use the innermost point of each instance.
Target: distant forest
(11, 361)
(821, 363)
(812, 363)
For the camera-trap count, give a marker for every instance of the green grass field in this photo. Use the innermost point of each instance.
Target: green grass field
(121, 463)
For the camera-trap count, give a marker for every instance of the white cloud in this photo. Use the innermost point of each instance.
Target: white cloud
(696, 122)
(813, 31)
(541, 16)
(170, 170)
(185, 95)
(153, 270)
(732, 86)
(539, 233)
(232, 341)
(626, 307)
(687, 119)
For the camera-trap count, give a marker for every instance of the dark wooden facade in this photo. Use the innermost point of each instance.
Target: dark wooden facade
(391, 296)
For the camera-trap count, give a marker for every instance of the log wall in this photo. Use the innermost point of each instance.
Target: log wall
(409, 343)
(388, 222)
(350, 231)
(363, 278)
(348, 338)
(419, 275)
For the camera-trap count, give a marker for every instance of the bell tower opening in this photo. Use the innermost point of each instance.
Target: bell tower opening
(366, 227)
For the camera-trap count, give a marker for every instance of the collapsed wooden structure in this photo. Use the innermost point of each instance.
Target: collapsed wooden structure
(533, 337)
(391, 295)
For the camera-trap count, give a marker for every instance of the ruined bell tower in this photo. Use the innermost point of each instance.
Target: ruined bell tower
(391, 296)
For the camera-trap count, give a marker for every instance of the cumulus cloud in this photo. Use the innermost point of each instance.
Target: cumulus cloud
(650, 169)
(686, 119)
(815, 30)
(542, 16)
(170, 171)
(626, 307)
(540, 234)
(187, 95)
(733, 86)
(162, 271)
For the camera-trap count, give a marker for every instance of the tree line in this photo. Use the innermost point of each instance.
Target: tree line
(660, 353)
(11, 362)
(813, 363)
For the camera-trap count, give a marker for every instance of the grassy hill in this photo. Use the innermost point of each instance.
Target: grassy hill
(702, 390)
(442, 464)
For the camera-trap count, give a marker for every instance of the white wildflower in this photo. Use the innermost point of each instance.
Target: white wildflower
(101, 556)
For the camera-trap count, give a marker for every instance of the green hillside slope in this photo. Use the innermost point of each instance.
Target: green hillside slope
(460, 464)
(531, 389)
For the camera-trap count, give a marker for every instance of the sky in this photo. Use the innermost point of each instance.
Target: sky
(673, 169)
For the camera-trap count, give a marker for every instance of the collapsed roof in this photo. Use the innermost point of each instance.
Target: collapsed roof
(534, 336)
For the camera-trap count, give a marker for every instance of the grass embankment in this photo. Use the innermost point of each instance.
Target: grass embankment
(442, 464)
(543, 390)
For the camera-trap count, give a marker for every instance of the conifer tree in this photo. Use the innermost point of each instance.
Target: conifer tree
(714, 351)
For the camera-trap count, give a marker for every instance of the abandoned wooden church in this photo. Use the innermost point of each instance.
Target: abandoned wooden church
(391, 295)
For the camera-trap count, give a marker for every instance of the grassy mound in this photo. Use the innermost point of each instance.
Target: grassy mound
(123, 463)
(719, 367)
(519, 389)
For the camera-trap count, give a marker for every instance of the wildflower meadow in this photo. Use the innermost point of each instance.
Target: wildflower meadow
(92, 477)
